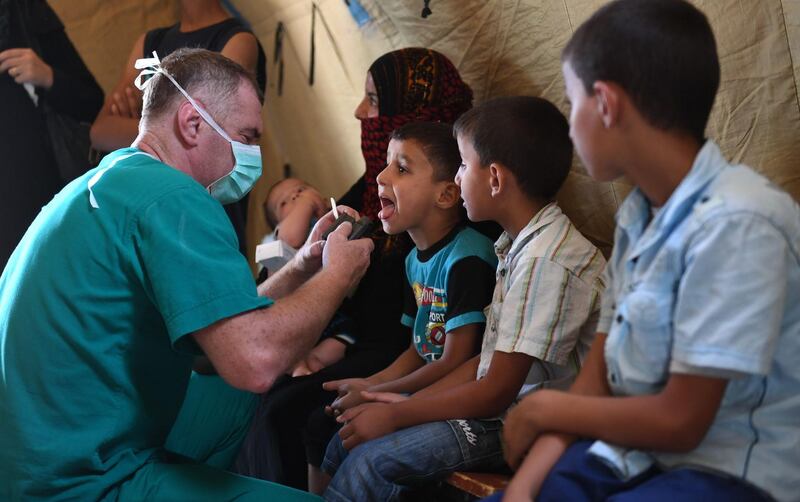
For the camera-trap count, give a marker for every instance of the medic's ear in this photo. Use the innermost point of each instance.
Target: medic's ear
(188, 124)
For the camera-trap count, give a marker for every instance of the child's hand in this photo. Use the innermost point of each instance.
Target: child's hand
(364, 423)
(323, 355)
(519, 428)
(383, 397)
(349, 391)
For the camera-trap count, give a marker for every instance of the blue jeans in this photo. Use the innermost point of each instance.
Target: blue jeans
(578, 477)
(384, 468)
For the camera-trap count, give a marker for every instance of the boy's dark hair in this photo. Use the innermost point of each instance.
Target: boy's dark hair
(661, 52)
(528, 135)
(438, 145)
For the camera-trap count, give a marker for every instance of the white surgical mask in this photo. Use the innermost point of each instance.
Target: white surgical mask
(247, 166)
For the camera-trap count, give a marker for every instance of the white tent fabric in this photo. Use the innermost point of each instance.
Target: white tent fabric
(502, 47)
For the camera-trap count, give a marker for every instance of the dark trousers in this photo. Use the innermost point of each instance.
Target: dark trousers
(579, 477)
(289, 428)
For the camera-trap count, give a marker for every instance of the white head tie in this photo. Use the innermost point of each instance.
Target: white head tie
(149, 66)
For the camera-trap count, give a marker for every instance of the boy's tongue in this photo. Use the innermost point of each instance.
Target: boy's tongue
(387, 209)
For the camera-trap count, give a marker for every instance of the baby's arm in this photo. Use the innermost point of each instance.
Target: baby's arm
(294, 228)
(326, 352)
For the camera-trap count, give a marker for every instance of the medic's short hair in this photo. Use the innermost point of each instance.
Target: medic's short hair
(205, 75)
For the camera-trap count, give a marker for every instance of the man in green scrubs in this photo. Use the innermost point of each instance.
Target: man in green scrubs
(127, 274)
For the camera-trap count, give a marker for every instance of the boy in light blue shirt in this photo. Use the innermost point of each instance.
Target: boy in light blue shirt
(692, 388)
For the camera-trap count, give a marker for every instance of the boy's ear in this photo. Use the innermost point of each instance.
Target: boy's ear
(497, 179)
(449, 195)
(608, 102)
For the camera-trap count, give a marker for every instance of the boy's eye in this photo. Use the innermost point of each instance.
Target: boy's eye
(401, 168)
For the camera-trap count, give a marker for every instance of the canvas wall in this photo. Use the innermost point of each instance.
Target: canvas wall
(502, 47)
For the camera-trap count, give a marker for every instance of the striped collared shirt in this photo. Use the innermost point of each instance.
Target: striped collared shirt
(547, 299)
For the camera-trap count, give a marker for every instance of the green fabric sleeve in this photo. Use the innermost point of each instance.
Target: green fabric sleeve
(193, 270)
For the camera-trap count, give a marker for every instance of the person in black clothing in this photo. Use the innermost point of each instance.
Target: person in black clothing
(57, 75)
(203, 24)
(290, 431)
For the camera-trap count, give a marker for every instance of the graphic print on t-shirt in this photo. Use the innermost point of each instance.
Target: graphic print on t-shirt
(430, 344)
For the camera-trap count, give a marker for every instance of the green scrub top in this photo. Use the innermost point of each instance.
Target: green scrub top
(95, 306)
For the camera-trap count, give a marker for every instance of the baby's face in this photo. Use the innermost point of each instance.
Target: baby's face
(285, 197)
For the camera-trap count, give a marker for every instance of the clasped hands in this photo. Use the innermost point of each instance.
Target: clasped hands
(366, 415)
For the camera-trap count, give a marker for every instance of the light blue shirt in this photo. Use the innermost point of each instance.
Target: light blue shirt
(711, 286)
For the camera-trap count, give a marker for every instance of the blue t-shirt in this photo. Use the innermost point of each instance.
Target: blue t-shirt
(95, 307)
(449, 285)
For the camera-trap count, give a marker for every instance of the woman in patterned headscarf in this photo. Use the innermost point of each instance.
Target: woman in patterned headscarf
(401, 86)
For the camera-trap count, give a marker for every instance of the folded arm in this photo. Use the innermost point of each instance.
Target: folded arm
(675, 419)
(117, 124)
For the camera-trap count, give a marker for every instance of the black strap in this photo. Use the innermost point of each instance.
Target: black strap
(426, 9)
(313, 46)
(278, 54)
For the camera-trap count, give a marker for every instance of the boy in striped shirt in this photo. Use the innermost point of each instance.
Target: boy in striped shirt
(516, 153)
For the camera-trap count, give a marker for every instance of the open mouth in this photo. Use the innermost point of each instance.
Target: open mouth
(387, 209)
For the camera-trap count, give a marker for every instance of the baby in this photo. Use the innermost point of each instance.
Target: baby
(291, 208)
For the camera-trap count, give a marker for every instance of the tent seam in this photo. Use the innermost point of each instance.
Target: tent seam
(569, 19)
(791, 57)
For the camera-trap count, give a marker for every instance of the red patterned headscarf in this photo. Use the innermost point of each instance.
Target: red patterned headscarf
(412, 84)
